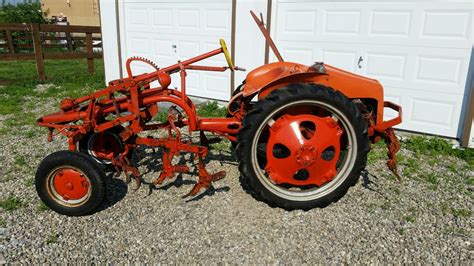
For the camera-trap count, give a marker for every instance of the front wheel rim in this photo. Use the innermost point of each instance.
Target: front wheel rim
(345, 162)
(69, 186)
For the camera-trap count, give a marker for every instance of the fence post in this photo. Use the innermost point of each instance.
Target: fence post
(90, 59)
(11, 48)
(37, 45)
(69, 41)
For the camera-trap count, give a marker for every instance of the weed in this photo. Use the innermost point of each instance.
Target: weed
(29, 182)
(411, 216)
(223, 145)
(42, 207)
(430, 178)
(3, 224)
(211, 109)
(20, 160)
(452, 167)
(161, 117)
(412, 166)
(52, 238)
(456, 231)
(397, 191)
(461, 212)
(371, 207)
(469, 181)
(401, 231)
(11, 203)
(437, 147)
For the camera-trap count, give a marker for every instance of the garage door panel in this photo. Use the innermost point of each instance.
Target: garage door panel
(386, 66)
(426, 69)
(431, 112)
(166, 31)
(442, 70)
(407, 24)
(204, 19)
(435, 24)
(390, 23)
(341, 22)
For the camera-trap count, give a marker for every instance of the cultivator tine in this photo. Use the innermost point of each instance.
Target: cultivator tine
(393, 146)
(205, 182)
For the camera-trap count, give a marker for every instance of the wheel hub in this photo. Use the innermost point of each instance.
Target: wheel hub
(70, 184)
(307, 140)
(306, 155)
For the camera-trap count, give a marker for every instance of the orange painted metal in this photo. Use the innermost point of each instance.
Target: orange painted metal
(70, 184)
(306, 149)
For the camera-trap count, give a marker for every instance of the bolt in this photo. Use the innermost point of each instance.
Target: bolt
(69, 186)
(66, 197)
(60, 173)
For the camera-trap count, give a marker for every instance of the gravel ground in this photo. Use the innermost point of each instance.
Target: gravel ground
(380, 220)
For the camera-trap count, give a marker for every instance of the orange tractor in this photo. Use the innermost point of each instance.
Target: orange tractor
(301, 145)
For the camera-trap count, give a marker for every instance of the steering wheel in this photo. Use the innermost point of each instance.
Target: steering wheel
(226, 54)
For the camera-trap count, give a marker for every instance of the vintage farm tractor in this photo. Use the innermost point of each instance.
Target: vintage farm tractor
(301, 145)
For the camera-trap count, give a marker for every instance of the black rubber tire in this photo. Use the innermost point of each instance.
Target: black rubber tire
(282, 97)
(85, 164)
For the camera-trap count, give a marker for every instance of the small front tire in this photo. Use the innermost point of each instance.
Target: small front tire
(70, 183)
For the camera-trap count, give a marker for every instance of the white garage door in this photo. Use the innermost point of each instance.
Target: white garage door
(419, 51)
(166, 31)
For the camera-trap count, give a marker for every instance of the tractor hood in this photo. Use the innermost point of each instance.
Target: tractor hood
(268, 77)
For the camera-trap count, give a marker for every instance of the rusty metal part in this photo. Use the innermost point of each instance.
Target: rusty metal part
(266, 34)
(393, 146)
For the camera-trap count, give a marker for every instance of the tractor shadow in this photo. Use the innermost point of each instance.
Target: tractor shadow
(116, 189)
(152, 160)
(370, 182)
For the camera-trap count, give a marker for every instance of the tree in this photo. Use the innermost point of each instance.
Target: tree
(23, 13)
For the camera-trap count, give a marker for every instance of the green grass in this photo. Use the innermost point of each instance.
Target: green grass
(18, 80)
(3, 224)
(461, 212)
(52, 238)
(42, 207)
(377, 153)
(211, 109)
(30, 182)
(11, 203)
(436, 146)
(20, 160)
(411, 216)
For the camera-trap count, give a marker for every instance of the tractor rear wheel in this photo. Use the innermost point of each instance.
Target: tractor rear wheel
(70, 183)
(302, 147)
(101, 145)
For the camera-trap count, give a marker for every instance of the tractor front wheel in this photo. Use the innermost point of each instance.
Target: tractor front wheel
(70, 183)
(302, 147)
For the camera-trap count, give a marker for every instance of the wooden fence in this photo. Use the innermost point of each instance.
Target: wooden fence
(44, 41)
